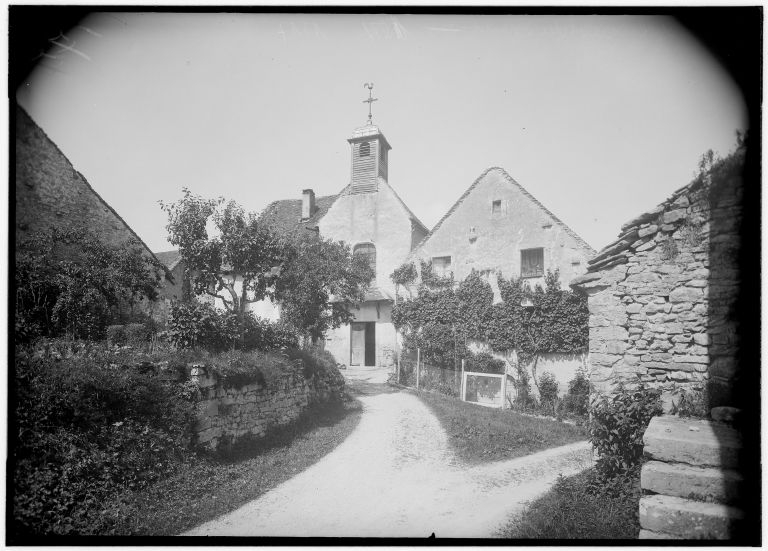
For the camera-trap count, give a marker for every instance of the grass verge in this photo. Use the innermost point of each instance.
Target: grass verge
(209, 487)
(581, 507)
(479, 434)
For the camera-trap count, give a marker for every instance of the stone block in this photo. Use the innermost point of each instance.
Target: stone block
(649, 230)
(700, 483)
(687, 519)
(685, 294)
(692, 441)
(697, 283)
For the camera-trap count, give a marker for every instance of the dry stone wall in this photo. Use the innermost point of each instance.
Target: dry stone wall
(661, 297)
(226, 414)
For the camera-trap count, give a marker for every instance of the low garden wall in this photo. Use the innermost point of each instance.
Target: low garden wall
(226, 413)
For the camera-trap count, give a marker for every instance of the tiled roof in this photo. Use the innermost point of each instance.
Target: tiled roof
(285, 215)
(525, 192)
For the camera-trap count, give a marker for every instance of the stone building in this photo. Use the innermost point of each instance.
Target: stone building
(49, 193)
(662, 296)
(497, 226)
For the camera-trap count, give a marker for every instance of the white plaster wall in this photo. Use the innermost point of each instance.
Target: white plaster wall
(500, 238)
(377, 218)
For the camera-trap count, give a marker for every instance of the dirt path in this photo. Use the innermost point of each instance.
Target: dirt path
(395, 476)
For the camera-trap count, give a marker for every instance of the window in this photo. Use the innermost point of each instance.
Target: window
(365, 149)
(441, 266)
(496, 207)
(532, 263)
(368, 251)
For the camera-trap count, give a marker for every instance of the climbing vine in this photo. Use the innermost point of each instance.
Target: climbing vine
(440, 318)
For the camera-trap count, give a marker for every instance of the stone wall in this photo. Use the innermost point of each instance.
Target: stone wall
(226, 414)
(661, 296)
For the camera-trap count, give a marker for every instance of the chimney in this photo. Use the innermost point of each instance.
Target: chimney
(307, 204)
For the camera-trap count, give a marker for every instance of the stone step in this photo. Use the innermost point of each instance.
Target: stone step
(688, 519)
(692, 441)
(701, 483)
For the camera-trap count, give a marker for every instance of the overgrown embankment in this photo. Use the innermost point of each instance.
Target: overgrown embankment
(95, 427)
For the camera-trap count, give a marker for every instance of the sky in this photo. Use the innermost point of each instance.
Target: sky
(599, 117)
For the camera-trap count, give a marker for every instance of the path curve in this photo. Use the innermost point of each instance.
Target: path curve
(395, 476)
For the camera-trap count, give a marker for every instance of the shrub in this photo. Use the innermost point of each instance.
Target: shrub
(261, 334)
(192, 324)
(88, 429)
(68, 281)
(576, 401)
(137, 333)
(548, 387)
(617, 424)
(116, 334)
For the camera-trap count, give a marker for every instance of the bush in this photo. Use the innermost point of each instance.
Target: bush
(137, 333)
(195, 324)
(548, 387)
(88, 429)
(261, 334)
(116, 335)
(617, 424)
(576, 401)
(69, 282)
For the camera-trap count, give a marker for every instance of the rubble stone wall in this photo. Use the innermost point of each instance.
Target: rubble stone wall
(661, 297)
(225, 414)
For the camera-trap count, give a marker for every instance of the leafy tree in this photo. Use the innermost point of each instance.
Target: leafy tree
(319, 284)
(239, 265)
(69, 281)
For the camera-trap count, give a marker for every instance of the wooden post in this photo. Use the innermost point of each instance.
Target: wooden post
(504, 389)
(418, 365)
(398, 369)
(463, 390)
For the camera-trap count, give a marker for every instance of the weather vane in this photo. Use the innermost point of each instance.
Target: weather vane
(370, 100)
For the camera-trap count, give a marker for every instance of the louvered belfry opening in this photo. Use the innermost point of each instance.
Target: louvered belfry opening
(369, 159)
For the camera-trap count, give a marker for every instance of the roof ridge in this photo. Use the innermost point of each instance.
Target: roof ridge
(452, 209)
(565, 226)
(525, 192)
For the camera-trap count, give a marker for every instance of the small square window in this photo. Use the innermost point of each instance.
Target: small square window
(496, 207)
(441, 266)
(532, 263)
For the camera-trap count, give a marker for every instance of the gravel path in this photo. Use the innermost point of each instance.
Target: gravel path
(395, 476)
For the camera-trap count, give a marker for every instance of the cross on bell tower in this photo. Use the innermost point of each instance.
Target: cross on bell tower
(370, 100)
(370, 151)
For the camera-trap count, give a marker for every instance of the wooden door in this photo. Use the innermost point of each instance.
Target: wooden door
(370, 343)
(358, 344)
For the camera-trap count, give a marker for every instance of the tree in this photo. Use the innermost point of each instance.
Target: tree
(239, 265)
(319, 284)
(69, 281)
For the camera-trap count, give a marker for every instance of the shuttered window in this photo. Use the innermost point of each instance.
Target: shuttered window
(532, 263)
(365, 149)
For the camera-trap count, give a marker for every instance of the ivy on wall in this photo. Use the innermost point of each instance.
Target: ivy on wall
(442, 316)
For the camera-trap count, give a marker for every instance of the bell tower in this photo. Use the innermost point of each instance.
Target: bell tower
(370, 153)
